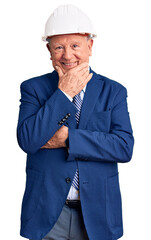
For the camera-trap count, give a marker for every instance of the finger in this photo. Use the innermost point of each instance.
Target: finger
(44, 146)
(85, 66)
(85, 80)
(81, 66)
(88, 78)
(65, 127)
(84, 72)
(59, 70)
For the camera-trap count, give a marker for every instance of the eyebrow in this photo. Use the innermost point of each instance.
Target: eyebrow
(58, 43)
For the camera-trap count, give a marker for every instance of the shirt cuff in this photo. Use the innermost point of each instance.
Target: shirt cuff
(70, 98)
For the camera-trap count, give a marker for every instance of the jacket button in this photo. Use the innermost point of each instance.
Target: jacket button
(68, 180)
(60, 123)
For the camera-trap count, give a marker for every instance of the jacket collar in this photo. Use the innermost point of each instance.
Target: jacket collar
(93, 90)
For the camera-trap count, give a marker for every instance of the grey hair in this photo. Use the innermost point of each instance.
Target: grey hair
(48, 40)
(90, 36)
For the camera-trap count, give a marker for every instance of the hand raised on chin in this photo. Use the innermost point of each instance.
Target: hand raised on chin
(74, 80)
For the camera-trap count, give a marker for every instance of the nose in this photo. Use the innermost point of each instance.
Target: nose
(67, 54)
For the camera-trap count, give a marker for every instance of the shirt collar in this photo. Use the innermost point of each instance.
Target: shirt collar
(84, 88)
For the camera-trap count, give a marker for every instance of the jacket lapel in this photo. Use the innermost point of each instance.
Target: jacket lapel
(93, 90)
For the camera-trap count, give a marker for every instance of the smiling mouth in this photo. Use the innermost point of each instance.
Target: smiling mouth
(69, 64)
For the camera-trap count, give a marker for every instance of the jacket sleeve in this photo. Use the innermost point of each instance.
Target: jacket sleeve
(113, 146)
(36, 123)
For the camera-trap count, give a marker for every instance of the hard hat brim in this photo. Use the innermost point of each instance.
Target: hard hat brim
(44, 38)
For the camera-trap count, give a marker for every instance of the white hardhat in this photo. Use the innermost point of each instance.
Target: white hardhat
(68, 19)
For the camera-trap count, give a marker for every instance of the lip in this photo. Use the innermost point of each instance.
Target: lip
(69, 65)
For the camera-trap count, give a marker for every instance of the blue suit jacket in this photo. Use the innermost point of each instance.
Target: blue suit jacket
(102, 139)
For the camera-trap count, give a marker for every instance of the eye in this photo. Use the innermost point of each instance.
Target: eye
(59, 48)
(75, 45)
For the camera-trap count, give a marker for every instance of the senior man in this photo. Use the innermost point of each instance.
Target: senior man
(75, 128)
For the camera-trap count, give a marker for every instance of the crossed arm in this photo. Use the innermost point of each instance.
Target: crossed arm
(33, 119)
(58, 139)
(71, 84)
(38, 128)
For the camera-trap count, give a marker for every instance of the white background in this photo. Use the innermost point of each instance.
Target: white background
(122, 51)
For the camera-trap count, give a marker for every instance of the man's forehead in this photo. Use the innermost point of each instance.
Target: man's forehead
(75, 36)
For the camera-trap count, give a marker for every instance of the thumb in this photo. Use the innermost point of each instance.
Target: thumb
(59, 70)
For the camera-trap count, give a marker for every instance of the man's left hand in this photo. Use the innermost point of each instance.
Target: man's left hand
(58, 139)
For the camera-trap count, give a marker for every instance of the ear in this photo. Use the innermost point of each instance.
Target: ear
(90, 44)
(48, 47)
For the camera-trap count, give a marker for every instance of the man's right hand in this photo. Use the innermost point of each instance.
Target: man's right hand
(74, 80)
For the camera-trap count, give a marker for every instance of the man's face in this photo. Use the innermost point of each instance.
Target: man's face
(68, 51)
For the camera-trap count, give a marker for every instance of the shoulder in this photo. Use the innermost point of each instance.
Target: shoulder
(110, 85)
(48, 79)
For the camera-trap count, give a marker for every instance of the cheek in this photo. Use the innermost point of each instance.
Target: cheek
(56, 62)
(84, 57)
(55, 58)
(83, 54)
